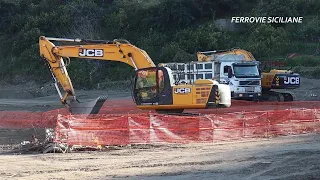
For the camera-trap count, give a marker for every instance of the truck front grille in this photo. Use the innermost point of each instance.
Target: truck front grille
(249, 83)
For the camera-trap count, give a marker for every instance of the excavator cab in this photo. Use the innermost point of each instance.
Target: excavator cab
(155, 89)
(153, 86)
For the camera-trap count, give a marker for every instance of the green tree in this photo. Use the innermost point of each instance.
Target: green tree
(266, 40)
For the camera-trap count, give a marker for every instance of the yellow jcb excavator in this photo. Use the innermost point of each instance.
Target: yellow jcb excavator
(270, 81)
(154, 87)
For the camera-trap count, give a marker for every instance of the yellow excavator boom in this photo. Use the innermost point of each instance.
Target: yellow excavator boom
(103, 50)
(210, 55)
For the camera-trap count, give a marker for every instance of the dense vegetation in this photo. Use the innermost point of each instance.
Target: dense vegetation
(169, 30)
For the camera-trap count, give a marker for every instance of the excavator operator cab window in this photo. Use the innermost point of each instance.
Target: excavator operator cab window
(146, 85)
(160, 80)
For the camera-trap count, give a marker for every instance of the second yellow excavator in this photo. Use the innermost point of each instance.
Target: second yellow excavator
(154, 87)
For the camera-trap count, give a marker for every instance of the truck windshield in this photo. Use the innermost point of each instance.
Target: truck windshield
(246, 71)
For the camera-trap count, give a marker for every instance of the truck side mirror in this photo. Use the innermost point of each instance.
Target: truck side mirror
(230, 73)
(260, 74)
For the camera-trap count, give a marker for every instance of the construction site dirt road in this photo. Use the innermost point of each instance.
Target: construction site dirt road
(290, 157)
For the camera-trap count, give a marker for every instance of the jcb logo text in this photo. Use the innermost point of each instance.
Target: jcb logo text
(182, 90)
(91, 52)
(292, 80)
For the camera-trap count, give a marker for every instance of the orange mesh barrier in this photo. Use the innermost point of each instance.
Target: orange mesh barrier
(20, 119)
(150, 128)
(120, 123)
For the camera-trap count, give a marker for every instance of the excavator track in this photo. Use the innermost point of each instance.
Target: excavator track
(288, 97)
(276, 96)
(169, 111)
(176, 112)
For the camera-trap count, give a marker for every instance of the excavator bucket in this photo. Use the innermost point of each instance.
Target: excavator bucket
(92, 107)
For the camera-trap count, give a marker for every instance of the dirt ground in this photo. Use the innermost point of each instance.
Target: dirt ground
(291, 157)
(36, 98)
(32, 97)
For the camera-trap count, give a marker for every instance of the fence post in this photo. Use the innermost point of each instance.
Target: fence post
(150, 129)
(212, 125)
(268, 124)
(314, 119)
(243, 125)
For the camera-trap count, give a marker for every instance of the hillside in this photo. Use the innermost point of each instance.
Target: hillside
(168, 30)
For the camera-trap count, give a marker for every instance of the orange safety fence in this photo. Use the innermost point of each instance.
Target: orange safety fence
(151, 128)
(24, 119)
(21, 119)
(122, 106)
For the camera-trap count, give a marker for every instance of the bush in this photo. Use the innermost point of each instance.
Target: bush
(316, 73)
(304, 60)
(265, 41)
(308, 71)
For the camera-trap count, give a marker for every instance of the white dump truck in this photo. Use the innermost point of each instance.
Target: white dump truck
(242, 76)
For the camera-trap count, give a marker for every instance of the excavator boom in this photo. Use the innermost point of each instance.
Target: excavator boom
(103, 50)
(210, 55)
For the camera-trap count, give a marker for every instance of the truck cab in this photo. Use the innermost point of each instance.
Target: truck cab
(242, 77)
